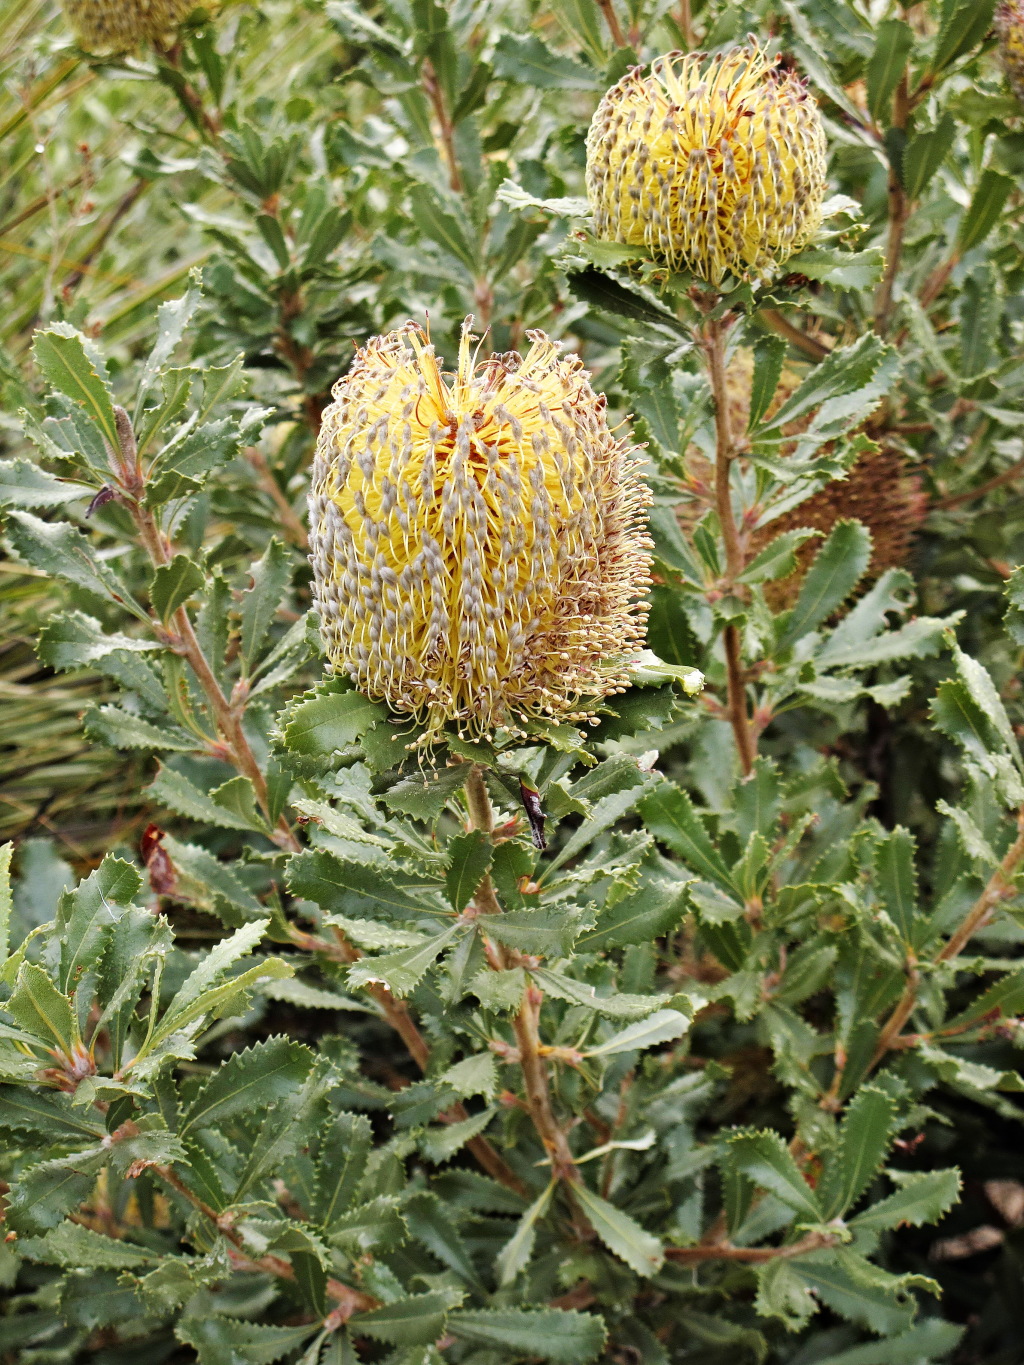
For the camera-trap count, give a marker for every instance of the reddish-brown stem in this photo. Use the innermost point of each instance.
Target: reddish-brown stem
(226, 717)
(725, 1251)
(936, 281)
(782, 327)
(713, 339)
(347, 1300)
(396, 1012)
(612, 20)
(686, 24)
(446, 129)
(999, 885)
(526, 1024)
(958, 499)
(291, 523)
(899, 213)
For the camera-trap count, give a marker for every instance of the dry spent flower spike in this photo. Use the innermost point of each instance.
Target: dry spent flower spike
(477, 538)
(1009, 26)
(716, 164)
(121, 25)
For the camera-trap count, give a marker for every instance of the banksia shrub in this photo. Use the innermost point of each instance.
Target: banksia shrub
(717, 165)
(120, 25)
(1009, 26)
(476, 537)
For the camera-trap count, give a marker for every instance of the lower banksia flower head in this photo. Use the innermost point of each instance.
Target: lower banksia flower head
(715, 164)
(1009, 25)
(477, 542)
(121, 25)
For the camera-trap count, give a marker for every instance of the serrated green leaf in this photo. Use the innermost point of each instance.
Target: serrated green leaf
(41, 1010)
(620, 1005)
(341, 1162)
(401, 972)
(555, 1334)
(546, 932)
(270, 575)
(251, 1080)
(24, 484)
(925, 153)
(469, 859)
(985, 208)
(765, 1159)
(230, 1341)
(174, 790)
(122, 730)
(173, 584)
(419, 1319)
(865, 1134)
(838, 567)
(70, 364)
(332, 719)
(895, 880)
(669, 815)
(287, 1126)
(515, 1254)
(62, 551)
(923, 1197)
(769, 357)
(964, 24)
(44, 1117)
(44, 1194)
(645, 915)
(620, 1233)
(660, 1027)
(894, 43)
(524, 57)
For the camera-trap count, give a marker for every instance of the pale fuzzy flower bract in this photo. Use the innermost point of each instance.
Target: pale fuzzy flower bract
(476, 538)
(1009, 26)
(121, 25)
(717, 165)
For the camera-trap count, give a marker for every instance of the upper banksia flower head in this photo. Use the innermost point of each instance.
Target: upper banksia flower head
(121, 25)
(716, 164)
(476, 537)
(1009, 23)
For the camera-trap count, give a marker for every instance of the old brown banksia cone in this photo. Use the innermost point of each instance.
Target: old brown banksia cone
(717, 165)
(476, 537)
(121, 25)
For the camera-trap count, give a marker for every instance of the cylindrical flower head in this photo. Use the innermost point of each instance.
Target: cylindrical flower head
(715, 164)
(1009, 24)
(477, 538)
(121, 25)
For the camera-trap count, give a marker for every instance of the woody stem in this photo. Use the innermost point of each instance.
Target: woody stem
(526, 1025)
(713, 338)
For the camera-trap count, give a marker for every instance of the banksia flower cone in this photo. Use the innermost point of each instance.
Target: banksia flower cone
(716, 164)
(1009, 24)
(476, 537)
(120, 25)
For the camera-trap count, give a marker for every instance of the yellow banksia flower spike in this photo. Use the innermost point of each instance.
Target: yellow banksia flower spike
(122, 25)
(1009, 26)
(716, 164)
(477, 538)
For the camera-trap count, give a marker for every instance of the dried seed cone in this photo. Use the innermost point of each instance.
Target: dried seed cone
(881, 490)
(1009, 25)
(121, 25)
(716, 164)
(477, 542)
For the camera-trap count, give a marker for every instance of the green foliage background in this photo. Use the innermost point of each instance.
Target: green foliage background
(269, 1090)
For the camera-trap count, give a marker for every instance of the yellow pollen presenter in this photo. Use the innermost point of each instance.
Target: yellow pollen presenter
(716, 164)
(477, 537)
